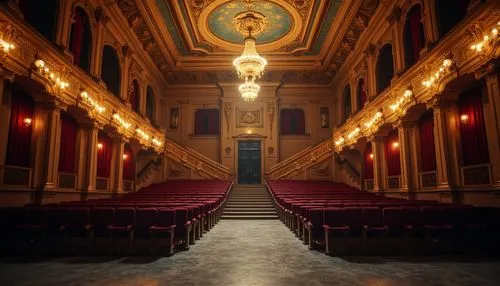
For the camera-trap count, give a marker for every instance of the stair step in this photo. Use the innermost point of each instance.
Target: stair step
(235, 212)
(249, 217)
(249, 206)
(256, 208)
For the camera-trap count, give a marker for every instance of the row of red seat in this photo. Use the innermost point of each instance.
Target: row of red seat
(177, 211)
(317, 210)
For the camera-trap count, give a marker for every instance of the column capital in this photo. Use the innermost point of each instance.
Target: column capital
(405, 124)
(90, 124)
(439, 103)
(5, 74)
(100, 16)
(118, 138)
(376, 138)
(52, 104)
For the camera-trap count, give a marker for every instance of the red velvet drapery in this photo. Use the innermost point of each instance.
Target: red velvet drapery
(473, 130)
(361, 93)
(134, 95)
(427, 147)
(416, 30)
(69, 128)
(128, 163)
(19, 142)
(292, 121)
(392, 154)
(368, 161)
(77, 32)
(104, 156)
(206, 122)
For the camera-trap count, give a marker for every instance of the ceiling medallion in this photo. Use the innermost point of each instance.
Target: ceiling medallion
(250, 65)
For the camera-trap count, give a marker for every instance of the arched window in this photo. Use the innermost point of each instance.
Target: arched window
(206, 122)
(385, 68)
(135, 96)
(414, 39)
(42, 15)
(448, 16)
(80, 42)
(110, 70)
(361, 93)
(20, 129)
(472, 128)
(347, 103)
(292, 121)
(150, 104)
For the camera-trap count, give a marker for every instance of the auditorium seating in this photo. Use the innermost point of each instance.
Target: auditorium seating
(333, 216)
(174, 213)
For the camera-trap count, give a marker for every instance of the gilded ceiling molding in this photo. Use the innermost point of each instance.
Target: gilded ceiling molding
(357, 26)
(138, 24)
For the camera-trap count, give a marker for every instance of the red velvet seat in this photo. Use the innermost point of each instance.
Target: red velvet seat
(78, 222)
(57, 218)
(35, 219)
(100, 219)
(182, 227)
(123, 223)
(144, 219)
(372, 221)
(353, 219)
(164, 227)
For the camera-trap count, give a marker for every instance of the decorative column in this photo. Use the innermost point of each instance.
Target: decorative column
(429, 19)
(406, 134)
(491, 110)
(397, 44)
(448, 168)
(47, 139)
(184, 120)
(87, 158)
(116, 176)
(98, 42)
(63, 27)
(124, 87)
(379, 162)
(370, 67)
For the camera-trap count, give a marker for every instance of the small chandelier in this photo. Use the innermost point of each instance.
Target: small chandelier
(249, 90)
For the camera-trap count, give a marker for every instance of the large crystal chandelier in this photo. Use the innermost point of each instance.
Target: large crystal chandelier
(249, 65)
(249, 90)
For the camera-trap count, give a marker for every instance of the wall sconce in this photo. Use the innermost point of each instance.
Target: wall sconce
(464, 118)
(371, 156)
(249, 131)
(395, 145)
(100, 146)
(125, 156)
(27, 121)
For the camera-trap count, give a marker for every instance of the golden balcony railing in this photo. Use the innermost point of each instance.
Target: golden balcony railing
(304, 159)
(195, 161)
(14, 176)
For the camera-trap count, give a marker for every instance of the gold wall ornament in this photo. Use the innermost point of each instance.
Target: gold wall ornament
(227, 113)
(271, 109)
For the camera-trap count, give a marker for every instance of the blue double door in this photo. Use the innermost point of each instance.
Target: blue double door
(249, 162)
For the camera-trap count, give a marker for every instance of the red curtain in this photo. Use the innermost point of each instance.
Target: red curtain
(427, 147)
(392, 154)
(134, 95)
(68, 144)
(416, 30)
(368, 161)
(77, 32)
(104, 156)
(128, 163)
(292, 121)
(473, 130)
(206, 122)
(361, 93)
(19, 142)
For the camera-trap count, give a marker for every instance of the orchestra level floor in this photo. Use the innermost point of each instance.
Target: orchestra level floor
(249, 252)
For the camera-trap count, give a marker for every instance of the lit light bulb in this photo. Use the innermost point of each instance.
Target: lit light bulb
(464, 118)
(27, 121)
(395, 145)
(100, 146)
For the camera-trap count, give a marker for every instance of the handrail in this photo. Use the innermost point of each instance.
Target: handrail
(156, 162)
(306, 158)
(350, 166)
(196, 161)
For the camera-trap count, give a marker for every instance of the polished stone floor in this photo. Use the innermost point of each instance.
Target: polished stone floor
(250, 253)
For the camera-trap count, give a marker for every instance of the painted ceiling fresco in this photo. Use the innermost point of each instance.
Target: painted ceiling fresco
(195, 41)
(279, 22)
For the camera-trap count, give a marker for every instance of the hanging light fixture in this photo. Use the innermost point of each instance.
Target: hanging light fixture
(249, 65)
(249, 90)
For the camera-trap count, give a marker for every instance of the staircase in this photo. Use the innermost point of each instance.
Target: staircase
(298, 163)
(252, 202)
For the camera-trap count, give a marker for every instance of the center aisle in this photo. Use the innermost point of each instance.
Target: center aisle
(248, 252)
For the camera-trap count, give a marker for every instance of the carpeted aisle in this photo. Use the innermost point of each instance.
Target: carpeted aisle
(249, 252)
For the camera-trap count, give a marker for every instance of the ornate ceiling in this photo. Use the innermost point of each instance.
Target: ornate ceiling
(195, 41)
